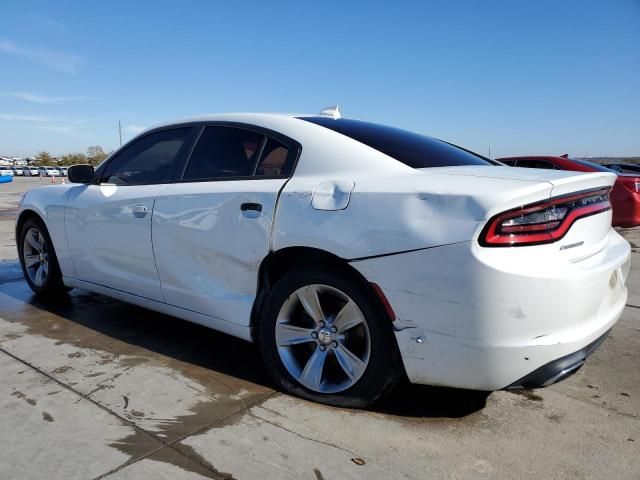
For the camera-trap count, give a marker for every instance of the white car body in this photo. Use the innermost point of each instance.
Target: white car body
(6, 172)
(17, 171)
(49, 171)
(31, 171)
(465, 315)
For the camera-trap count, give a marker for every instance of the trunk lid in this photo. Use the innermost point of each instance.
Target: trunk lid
(584, 237)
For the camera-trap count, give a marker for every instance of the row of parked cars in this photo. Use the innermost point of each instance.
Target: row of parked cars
(34, 171)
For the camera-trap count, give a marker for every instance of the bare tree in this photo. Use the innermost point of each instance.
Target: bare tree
(95, 155)
(72, 159)
(43, 158)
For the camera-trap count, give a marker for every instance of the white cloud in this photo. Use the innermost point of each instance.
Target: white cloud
(12, 117)
(134, 129)
(32, 97)
(59, 61)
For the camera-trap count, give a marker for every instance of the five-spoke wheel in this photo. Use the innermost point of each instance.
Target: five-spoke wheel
(324, 336)
(323, 339)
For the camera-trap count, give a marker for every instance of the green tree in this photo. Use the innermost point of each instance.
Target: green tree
(95, 155)
(72, 159)
(43, 158)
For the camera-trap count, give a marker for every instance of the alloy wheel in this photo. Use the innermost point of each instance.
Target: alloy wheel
(323, 338)
(36, 256)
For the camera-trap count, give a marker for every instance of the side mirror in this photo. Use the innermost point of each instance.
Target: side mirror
(81, 174)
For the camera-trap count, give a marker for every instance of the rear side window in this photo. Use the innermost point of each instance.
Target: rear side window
(224, 152)
(275, 160)
(412, 149)
(151, 159)
(596, 167)
(536, 164)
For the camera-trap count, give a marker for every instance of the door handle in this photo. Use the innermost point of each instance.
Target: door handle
(251, 206)
(139, 211)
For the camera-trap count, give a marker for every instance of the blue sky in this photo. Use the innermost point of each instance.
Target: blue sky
(544, 77)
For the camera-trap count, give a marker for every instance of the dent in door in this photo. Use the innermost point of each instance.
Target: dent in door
(208, 249)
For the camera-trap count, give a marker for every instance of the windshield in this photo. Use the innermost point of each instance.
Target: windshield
(412, 149)
(595, 166)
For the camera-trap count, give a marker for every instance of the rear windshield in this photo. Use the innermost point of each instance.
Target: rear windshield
(412, 149)
(595, 166)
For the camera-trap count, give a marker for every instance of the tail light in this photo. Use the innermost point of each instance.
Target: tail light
(543, 222)
(632, 184)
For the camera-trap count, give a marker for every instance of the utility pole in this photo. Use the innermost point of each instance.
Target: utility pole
(120, 132)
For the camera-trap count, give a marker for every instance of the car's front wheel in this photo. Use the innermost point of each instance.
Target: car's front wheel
(324, 338)
(38, 259)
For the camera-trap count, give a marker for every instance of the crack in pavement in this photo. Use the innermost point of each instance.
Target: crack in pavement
(174, 445)
(598, 405)
(170, 445)
(277, 425)
(315, 440)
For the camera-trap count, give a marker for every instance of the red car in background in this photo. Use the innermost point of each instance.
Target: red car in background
(625, 195)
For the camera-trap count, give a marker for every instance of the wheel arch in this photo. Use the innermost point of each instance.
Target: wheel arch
(25, 215)
(279, 262)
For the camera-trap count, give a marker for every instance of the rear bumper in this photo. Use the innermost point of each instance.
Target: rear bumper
(487, 319)
(559, 369)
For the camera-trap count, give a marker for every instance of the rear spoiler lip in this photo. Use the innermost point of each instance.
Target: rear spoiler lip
(583, 182)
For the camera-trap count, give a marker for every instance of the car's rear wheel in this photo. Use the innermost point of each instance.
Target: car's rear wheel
(38, 259)
(323, 338)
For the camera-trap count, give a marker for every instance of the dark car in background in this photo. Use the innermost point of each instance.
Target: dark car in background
(625, 194)
(632, 168)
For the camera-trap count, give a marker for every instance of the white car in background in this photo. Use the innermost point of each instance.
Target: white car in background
(31, 171)
(63, 171)
(48, 172)
(352, 253)
(17, 171)
(6, 172)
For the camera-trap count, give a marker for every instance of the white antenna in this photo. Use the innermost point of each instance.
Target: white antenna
(333, 112)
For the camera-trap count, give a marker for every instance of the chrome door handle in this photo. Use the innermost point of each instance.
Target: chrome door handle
(139, 211)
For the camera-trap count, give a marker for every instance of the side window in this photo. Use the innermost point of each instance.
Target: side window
(224, 152)
(547, 165)
(151, 159)
(539, 164)
(275, 160)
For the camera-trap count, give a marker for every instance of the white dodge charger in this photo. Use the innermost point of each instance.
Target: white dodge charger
(354, 254)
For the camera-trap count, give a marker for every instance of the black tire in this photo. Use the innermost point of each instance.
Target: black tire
(384, 368)
(52, 284)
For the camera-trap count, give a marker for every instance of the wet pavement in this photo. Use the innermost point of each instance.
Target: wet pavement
(91, 387)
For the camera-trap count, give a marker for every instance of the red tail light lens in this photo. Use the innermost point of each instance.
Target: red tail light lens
(543, 222)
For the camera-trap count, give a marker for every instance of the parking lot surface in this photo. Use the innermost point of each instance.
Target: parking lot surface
(95, 388)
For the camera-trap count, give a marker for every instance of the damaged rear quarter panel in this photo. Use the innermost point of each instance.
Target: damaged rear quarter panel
(395, 212)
